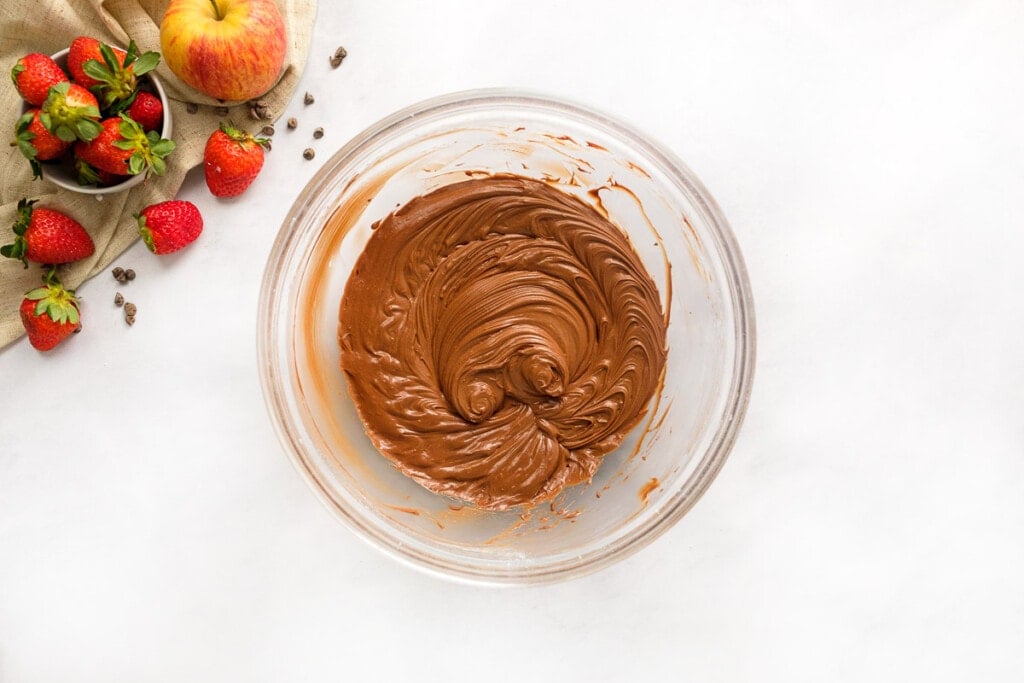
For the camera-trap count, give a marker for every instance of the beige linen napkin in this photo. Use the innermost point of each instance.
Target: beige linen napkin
(48, 26)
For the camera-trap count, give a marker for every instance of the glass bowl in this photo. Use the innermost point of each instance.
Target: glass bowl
(668, 460)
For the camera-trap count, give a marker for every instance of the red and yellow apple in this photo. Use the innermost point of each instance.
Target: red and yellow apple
(232, 50)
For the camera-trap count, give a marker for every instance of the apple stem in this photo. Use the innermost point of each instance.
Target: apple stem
(216, 10)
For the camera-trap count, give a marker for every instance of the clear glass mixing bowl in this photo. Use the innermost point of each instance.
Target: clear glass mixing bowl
(665, 464)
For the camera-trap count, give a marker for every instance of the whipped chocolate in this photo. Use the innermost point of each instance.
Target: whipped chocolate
(500, 337)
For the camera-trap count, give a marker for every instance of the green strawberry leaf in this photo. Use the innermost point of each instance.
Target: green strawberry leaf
(86, 174)
(94, 69)
(146, 63)
(158, 165)
(65, 133)
(113, 64)
(73, 315)
(44, 118)
(38, 294)
(87, 129)
(163, 147)
(125, 144)
(121, 106)
(136, 164)
(24, 137)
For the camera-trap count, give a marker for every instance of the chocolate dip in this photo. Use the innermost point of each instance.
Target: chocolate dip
(500, 337)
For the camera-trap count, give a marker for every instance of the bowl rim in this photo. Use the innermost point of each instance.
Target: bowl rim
(739, 391)
(165, 132)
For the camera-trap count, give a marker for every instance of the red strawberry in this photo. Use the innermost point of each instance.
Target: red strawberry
(169, 226)
(71, 112)
(84, 48)
(111, 73)
(47, 236)
(147, 110)
(232, 160)
(35, 142)
(123, 148)
(50, 314)
(34, 75)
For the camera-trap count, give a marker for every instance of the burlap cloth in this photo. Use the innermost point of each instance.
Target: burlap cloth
(48, 26)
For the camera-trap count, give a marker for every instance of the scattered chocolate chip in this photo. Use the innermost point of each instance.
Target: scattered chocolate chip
(335, 62)
(129, 274)
(341, 52)
(118, 299)
(118, 273)
(308, 99)
(267, 130)
(130, 319)
(267, 146)
(191, 107)
(129, 309)
(292, 122)
(318, 133)
(259, 110)
(308, 153)
(221, 111)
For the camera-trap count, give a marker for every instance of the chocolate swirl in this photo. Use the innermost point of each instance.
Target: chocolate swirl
(499, 337)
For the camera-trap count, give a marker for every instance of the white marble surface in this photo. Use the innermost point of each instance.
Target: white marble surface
(870, 522)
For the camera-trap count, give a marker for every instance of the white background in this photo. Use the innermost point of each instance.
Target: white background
(869, 524)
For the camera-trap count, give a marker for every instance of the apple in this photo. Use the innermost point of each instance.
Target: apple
(231, 50)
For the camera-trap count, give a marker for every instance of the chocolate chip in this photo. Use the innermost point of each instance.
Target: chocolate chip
(221, 111)
(318, 133)
(267, 130)
(129, 274)
(292, 122)
(130, 319)
(259, 110)
(129, 309)
(267, 146)
(118, 299)
(308, 99)
(308, 153)
(191, 107)
(338, 56)
(118, 273)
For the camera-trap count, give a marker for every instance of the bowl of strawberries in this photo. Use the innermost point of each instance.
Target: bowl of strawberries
(95, 118)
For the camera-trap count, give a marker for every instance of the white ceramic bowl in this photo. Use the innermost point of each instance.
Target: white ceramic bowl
(62, 173)
(666, 463)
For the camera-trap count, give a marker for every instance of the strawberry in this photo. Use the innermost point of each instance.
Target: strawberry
(123, 148)
(169, 226)
(71, 112)
(47, 236)
(114, 73)
(232, 159)
(35, 142)
(34, 75)
(83, 49)
(50, 314)
(147, 110)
